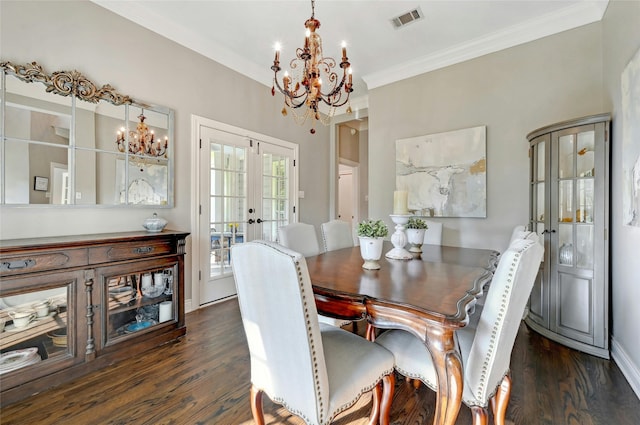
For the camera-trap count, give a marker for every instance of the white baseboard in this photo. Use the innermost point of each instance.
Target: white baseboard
(629, 370)
(188, 306)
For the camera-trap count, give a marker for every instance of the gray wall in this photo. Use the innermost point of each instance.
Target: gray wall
(512, 92)
(621, 35)
(107, 48)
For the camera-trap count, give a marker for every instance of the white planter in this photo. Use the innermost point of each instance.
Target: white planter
(416, 239)
(371, 251)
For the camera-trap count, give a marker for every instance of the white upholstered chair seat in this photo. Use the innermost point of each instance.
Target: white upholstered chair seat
(302, 238)
(485, 346)
(314, 370)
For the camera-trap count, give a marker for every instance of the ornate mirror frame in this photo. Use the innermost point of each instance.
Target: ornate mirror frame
(91, 145)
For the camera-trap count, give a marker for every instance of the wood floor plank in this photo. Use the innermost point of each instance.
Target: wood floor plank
(204, 379)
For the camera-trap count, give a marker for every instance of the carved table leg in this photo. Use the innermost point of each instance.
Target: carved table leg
(448, 365)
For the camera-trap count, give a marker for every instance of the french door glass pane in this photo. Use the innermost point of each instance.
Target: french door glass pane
(228, 190)
(275, 193)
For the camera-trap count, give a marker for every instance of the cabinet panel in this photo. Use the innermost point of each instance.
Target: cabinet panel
(70, 305)
(570, 211)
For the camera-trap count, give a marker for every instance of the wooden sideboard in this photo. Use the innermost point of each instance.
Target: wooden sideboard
(109, 297)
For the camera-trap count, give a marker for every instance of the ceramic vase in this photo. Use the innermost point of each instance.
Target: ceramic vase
(416, 239)
(371, 251)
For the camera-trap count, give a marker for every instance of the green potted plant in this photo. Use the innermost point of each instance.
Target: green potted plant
(371, 234)
(416, 227)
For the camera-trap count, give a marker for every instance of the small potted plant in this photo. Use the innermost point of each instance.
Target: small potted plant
(371, 234)
(415, 233)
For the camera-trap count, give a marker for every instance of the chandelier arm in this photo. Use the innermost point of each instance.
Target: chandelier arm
(289, 95)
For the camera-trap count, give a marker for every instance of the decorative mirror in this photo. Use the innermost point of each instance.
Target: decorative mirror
(66, 141)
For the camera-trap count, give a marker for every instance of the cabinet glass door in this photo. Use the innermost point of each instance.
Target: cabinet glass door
(573, 244)
(138, 299)
(34, 326)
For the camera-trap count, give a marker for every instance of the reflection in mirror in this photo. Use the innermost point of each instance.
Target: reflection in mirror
(85, 145)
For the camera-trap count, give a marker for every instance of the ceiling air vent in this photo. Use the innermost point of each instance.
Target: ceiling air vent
(407, 18)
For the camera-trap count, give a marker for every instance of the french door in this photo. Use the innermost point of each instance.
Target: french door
(247, 190)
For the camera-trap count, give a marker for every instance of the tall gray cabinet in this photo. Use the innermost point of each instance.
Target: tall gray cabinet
(569, 209)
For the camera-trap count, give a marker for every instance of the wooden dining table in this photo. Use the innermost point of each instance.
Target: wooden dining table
(429, 296)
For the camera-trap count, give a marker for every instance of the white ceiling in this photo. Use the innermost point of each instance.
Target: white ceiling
(241, 34)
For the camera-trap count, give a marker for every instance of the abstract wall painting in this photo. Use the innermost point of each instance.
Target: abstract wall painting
(444, 173)
(630, 90)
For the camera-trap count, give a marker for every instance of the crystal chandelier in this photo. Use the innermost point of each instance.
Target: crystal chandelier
(314, 72)
(142, 141)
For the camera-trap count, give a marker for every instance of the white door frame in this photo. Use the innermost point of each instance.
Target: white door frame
(196, 244)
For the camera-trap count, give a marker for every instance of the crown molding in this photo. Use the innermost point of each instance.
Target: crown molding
(143, 15)
(568, 18)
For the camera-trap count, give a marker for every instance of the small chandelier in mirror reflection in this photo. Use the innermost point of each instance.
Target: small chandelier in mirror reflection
(315, 72)
(142, 141)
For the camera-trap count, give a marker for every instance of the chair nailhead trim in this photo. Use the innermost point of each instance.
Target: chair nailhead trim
(497, 326)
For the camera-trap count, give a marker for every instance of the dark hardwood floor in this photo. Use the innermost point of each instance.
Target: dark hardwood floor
(204, 379)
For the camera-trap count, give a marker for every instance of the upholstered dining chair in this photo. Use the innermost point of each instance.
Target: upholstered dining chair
(312, 369)
(485, 347)
(518, 233)
(433, 234)
(302, 238)
(336, 234)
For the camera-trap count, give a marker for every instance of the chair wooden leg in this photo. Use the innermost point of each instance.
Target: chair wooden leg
(480, 415)
(500, 401)
(376, 396)
(388, 386)
(370, 334)
(256, 405)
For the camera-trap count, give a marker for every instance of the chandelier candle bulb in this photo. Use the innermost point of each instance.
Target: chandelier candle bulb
(344, 51)
(400, 205)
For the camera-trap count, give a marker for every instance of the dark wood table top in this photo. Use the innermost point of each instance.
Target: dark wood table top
(440, 285)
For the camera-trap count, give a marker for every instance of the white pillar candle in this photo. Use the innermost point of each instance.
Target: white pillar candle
(400, 205)
(165, 311)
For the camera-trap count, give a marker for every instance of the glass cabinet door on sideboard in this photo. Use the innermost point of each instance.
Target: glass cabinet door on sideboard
(570, 211)
(137, 298)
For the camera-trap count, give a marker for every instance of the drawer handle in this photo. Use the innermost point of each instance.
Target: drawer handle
(143, 250)
(17, 265)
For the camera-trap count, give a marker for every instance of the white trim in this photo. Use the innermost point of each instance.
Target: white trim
(624, 362)
(565, 19)
(196, 123)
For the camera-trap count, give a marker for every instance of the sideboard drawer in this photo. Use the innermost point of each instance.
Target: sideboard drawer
(41, 261)
(130, 251)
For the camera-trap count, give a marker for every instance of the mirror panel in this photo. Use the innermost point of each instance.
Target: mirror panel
(86, 145)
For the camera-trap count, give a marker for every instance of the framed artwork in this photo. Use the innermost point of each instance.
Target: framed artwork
(444, 174)
(41, 183)
(630, 91)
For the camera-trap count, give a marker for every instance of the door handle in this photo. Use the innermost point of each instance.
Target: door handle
(251, 221)
(259, 220)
